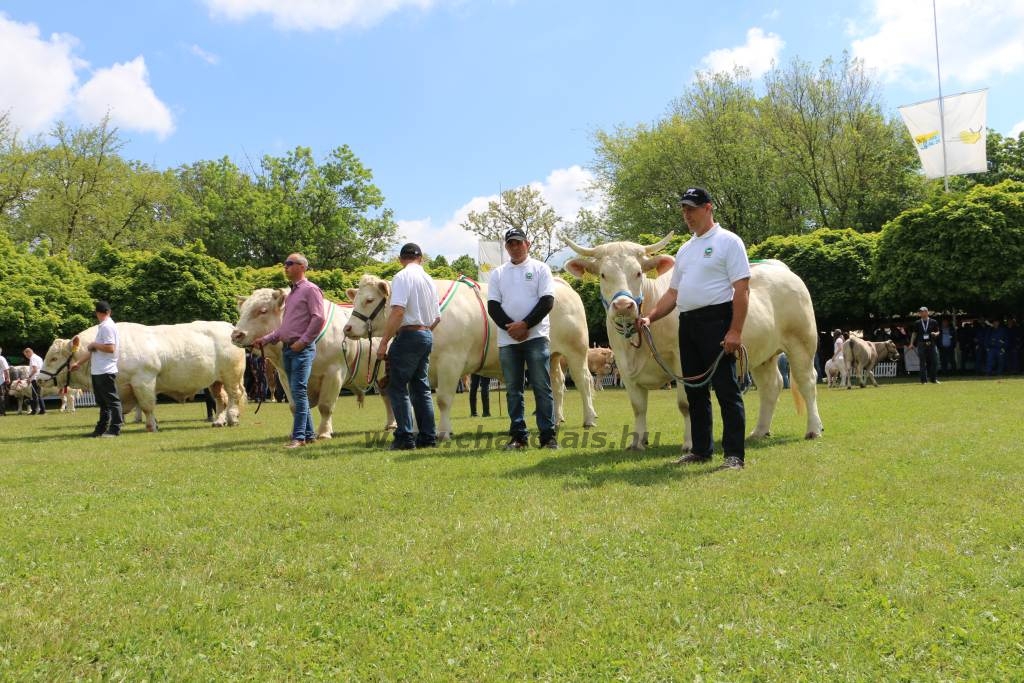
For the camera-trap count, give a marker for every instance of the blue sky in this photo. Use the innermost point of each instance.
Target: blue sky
(451, 101)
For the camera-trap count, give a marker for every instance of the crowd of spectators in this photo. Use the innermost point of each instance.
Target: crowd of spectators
(987, 346)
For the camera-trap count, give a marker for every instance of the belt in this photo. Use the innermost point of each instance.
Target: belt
(413, 328)
(715, 312)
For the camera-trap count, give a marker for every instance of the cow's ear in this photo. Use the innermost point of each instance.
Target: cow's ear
(350, 294)
(280, 295)
(662, 264)
(579, 266)
(384, 288)
(75, 342)
(239, 300)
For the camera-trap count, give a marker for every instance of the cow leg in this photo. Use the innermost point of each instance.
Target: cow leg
(389, 421)
(235, 392)
(577, 364)
(329, 390)
(145, 396)
(769, 384)
(558, 387)
(805, 386)
(447, 379)
(638, 401)
(871, 376)
(220, 403)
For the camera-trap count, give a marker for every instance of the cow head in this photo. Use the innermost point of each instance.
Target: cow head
(621, 268)
(61, 354)
(891, 352)
(600, 362)
(259, 314)
(369, 304)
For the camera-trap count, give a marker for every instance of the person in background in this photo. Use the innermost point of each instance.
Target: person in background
(103, 352)
(947, 347)
(35, 364)
(484, 385)
(302, 322)
(924, 337)
(5, 382)
(710, 288)
(521, 294)
(414, 314)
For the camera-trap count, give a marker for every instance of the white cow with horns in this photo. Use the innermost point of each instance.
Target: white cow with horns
(178, 361)
(339, 362)
(466, 339)
(780, 318)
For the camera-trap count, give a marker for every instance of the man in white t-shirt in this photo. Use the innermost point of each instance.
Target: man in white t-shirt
(35, 364)
(710, 290)
(5, 381)
(414, 314)
(521, 294)
(103, 352)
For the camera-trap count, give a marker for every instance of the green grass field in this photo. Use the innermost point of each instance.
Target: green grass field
(890, 549)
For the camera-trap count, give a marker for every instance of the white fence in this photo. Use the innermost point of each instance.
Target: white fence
(887, 369)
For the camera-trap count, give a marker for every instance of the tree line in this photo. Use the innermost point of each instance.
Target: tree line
(804, 165)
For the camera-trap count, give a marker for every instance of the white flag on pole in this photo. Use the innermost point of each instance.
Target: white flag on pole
(491, 255)
(964, 116)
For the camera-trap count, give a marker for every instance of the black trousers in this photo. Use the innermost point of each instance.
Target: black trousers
(109, 402)
(700, 339)
(927, 355)
(484, 385)
(36, 404)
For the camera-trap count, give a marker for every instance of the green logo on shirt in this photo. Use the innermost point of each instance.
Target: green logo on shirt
(529, 276)
(707, 253)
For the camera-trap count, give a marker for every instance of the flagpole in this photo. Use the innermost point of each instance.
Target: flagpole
(942, 114)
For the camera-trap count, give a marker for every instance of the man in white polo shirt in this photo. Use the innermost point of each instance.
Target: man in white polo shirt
(35, 365)
(103, 352)
(414, 314)
(520, 295)
(710, 289)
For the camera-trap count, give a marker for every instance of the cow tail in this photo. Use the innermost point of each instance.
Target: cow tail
(798, 399)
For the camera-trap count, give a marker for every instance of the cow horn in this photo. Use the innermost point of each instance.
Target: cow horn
(582, 251)
(659, 245)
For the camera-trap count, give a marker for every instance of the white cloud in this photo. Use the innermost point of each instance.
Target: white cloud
(310, 15)
(123, 90)
(1017, 129)
(565, 190)
(756, 55)
(37, 76)
(39, 85)
(208, 57)
(978, 40)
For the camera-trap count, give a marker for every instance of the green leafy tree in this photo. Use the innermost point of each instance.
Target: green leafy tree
(42, 297)
(523, 208)
(962, 251)
(467, 266)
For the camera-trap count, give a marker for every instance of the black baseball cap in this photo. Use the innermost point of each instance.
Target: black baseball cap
(102, 307)
(410, 250)
(695, 196)
(515, 234)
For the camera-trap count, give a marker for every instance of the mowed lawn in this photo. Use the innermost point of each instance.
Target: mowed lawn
(890, 549)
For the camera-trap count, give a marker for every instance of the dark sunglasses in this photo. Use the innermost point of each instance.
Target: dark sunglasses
(290, 263)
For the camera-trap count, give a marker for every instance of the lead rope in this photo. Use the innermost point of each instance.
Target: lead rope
(743, 377)
(259, 403)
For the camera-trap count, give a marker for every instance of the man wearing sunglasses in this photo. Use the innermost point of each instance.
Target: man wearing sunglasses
(302, 322)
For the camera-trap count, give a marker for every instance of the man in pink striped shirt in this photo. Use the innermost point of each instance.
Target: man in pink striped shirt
(302, 324)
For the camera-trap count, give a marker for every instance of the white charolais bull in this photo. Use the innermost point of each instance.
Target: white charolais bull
(178, 361)
(21, 389)
(835, 371)
(339, 362)
(780, 318)
(466, 339)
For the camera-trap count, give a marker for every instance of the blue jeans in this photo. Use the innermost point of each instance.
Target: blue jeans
(534, 357)
(297, 367)
(409, 388)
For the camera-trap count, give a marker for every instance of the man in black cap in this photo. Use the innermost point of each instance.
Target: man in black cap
(414, 314)
(710, 289)
(103, 352)
(923, 338)
(520, 295)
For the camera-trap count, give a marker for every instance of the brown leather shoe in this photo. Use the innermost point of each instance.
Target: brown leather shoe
(691, 459)
(295, 444)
